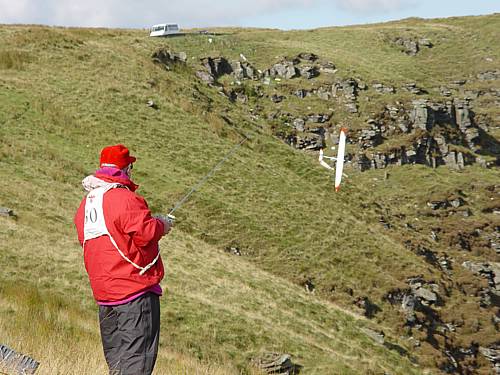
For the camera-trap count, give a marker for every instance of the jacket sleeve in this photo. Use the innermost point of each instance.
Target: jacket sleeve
(137, 222)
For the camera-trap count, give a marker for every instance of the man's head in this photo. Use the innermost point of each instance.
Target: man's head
(117, 156)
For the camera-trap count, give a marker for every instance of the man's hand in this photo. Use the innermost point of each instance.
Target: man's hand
(167, 220)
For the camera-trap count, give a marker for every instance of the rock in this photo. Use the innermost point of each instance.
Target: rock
(299, 124)
(234, 250)
(237, 95)
(426, 295)
(437, 205)
(324, 93)
(351, 107)
(425, 42)
(167, 57)
(424, 291)
(379, 87)
(492, 354)
(464, 121)
(409, 46)
(318, 118)
(4, 211)
(277, 98)
(243, 70)
(378, 337)
(276, 363)
(151, 104)
(308, 72)
(445, 91)
(490, 271)
(308, 141)
(205, 77)
(311, 57)
(489, 75)
(349, 88)
(412, 87)
(457, 202)
(217, 66)
(301, 93)
(284, 69)
(328, 68)
(309, 285)
(421, 115)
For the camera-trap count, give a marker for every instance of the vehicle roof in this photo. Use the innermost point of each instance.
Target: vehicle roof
(164, 24)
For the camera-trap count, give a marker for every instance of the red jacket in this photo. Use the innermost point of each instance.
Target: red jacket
(129, 221)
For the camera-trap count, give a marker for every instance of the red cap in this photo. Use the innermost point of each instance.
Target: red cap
(116, 156)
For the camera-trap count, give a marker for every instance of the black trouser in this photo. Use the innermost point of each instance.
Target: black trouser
(130, 334)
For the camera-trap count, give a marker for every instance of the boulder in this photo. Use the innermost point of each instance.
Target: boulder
(327, 67)
(4, 211)
(167, 57)
(409, 46)
(425, 43)
(412, 46)
(308, 72)
(285, 69)
(217, 66)
(324, 93)
(243, 70)
(308, 141)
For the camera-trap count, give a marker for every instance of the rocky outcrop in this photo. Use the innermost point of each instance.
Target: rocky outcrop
(441, 134)
(301, 93)
(276, 363)
(489, 75)
(217, 66)
(244, 70)
(285, 69)
(491, 272)
(347, 90)
(383, 89)
(411, 46)
(205, 77)
(167, 58)
(413, 88)
(308, 72)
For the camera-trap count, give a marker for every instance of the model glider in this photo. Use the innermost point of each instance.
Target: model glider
(339, 160)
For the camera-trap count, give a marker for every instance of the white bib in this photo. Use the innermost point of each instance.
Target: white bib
(95, 226)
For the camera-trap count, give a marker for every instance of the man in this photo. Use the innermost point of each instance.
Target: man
(120, 246)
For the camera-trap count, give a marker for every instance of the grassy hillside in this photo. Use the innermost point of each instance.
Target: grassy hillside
(66, 93)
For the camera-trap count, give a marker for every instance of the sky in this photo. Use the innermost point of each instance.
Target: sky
(282, 14)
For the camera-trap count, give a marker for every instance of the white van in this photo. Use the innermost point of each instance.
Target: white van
(164, 29)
